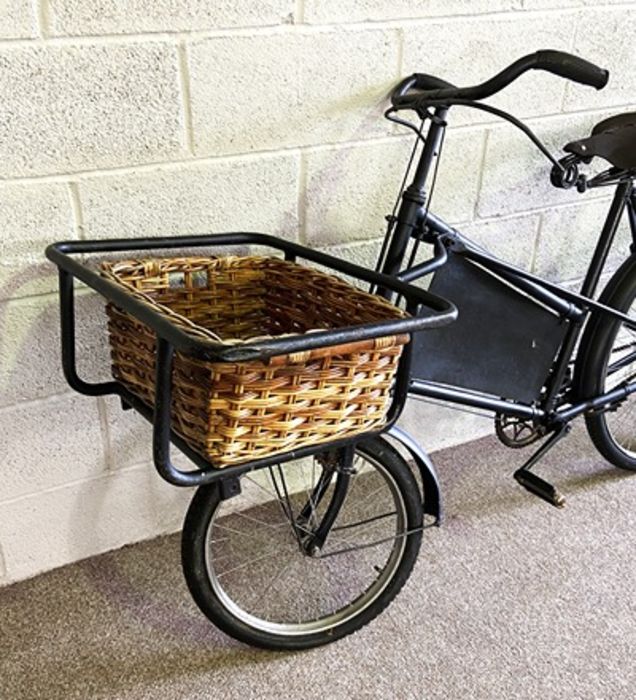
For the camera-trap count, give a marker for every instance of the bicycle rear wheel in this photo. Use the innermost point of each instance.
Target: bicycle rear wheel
(248, 567)
(609, 352)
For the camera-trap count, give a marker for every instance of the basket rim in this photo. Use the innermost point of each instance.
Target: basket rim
(110, 269)
(432, 311)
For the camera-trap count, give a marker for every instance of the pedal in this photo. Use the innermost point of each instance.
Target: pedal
(539, 487)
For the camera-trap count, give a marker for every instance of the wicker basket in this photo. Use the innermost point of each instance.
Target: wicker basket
(232, 412)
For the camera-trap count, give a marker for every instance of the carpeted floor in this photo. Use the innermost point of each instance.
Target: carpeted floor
(511, 599)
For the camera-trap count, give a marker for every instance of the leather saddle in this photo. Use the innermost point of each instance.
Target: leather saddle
(613, 139)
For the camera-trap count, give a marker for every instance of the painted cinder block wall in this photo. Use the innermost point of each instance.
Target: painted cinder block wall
(140, 117)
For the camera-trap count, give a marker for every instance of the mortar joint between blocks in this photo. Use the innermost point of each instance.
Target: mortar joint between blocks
(572, 48)
(480, 173)
(299, 12)
(303, 183)
(76, 208)
(184, 80)
(537, 242)
(104, 429)
(42, 17)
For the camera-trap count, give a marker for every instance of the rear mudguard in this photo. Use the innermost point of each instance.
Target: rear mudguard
(431, 496)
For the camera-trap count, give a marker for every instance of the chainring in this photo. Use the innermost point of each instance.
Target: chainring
(516, 432)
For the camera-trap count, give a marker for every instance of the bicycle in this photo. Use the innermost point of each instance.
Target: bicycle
(303, 548)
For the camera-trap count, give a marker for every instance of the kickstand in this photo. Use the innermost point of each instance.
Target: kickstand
(535, 484)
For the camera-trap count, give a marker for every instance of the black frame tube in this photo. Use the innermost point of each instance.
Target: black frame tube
(465, 397)
(67, 334)
(631, 211)
(425, 268)
(622, 194)
(516, 276)
(597, 403)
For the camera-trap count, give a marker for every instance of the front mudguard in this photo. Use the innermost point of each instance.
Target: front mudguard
(432, 495)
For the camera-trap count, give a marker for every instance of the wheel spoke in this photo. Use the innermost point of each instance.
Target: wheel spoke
(623, 362)
(245, 516)
(263, 594)
(271, 553)
(271, 494)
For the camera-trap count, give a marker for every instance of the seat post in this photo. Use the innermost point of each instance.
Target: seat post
(624, 192)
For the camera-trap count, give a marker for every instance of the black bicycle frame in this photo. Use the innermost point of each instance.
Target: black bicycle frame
(415, 221)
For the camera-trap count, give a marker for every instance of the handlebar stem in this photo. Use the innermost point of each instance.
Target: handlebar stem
(411, 213)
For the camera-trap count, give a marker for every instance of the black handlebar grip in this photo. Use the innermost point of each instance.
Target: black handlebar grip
(572, 67)
(417, 81)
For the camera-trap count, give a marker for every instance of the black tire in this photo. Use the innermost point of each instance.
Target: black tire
(386, 468)
(605, 339)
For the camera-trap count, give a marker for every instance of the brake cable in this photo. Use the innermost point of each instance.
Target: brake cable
(423, 104)
(390, 115)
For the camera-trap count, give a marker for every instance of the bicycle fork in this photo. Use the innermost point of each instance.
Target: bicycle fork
(314, 543)
(310, 534)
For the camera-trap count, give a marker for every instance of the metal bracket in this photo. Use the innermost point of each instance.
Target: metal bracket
(230, 487)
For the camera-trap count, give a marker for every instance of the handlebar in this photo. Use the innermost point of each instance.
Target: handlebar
(419, 88)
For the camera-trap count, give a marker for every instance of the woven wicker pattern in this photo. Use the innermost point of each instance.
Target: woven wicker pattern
(235, 412)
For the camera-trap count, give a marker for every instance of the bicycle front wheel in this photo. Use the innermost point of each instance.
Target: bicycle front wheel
(248, 566)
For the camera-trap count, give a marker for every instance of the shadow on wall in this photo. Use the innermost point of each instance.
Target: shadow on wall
(30, 344)
(29, 281)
